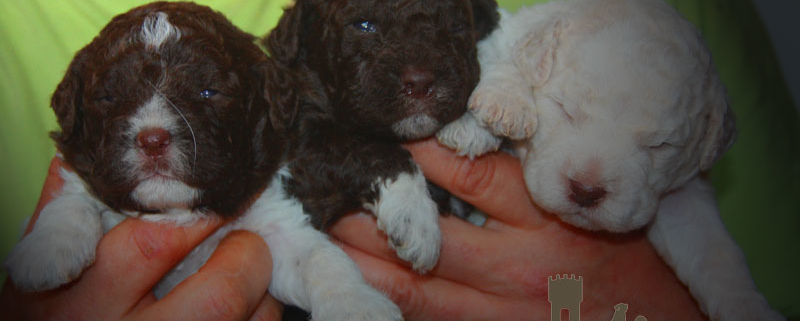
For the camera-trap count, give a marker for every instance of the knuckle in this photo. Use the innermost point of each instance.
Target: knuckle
(407, 294)
(224, 301)
(473, 177)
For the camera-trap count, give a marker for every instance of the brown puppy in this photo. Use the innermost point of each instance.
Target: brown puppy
(162, 113)
(377, 73)
(165, 116)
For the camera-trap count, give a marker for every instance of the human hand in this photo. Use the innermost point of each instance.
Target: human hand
(134, 256)
(500, 271)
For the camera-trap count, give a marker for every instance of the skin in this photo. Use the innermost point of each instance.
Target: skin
(134, 256)
(520, 245)
(499, 271)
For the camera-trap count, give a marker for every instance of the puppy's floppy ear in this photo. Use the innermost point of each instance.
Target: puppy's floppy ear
(280, 92)
(720, 125)
(485, 15)
(534, 54)
(284, 41)
(67, 100)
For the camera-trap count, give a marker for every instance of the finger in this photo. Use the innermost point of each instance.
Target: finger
(426, 297)
(461, 242)
(493, 183)
(52, 185)
(134, 256)
(268, 310)
(229, 287)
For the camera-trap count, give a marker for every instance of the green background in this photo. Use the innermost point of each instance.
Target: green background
(758, 181)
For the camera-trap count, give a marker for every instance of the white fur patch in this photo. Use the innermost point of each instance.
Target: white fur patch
(416, 126)
(308, 270)
(155, 113)
(161, 193)
(468, 137)
(63, 241)
(156, 30)
(410, 219)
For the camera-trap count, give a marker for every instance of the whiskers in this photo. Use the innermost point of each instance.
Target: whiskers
(191, 130)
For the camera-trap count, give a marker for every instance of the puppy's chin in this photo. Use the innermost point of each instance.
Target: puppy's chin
(163, 193)
(416, 127)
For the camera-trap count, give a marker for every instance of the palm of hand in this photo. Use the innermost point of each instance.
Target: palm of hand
(500, 271)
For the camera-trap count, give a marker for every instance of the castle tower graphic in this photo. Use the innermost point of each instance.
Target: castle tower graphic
(565, 292)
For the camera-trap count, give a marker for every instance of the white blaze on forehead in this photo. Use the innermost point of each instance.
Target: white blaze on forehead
(156, 30)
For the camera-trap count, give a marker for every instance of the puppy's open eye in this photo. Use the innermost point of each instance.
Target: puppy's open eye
(365, 26)
(208, 93)
(458, 27)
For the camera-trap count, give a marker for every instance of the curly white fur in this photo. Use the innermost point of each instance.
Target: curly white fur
(611, 105)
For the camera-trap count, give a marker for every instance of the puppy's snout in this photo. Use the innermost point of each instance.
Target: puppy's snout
(153, 141)
(585, 195)
(418, 82)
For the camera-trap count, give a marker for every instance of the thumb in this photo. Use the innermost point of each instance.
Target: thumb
(493, 183)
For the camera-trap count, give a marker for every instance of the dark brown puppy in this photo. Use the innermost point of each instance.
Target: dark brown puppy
(162, 113)
(377, 73)
(206, 80)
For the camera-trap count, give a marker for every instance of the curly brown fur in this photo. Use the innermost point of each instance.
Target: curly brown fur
(377, 73)
(227, 147)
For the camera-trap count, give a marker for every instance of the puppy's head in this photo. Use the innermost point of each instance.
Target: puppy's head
(395, 68)
(630, 108)
(164, 109)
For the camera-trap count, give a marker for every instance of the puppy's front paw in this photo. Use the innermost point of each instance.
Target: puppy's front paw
(505, 113)
(46, 260)
(359, 303)
(409, 217)
(413, 233)
(468, 137)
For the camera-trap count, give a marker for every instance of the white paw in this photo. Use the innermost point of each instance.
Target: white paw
(468, 137)
(414, 234)
(45, 260)
(409, 217)
(505, 113)
(358, 303)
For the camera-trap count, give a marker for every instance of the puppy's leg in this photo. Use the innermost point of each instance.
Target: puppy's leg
(409, 217)
(63, 241)
(503, 102)
(690, 236)
(332, 179)
(308, 270)
(468, 137)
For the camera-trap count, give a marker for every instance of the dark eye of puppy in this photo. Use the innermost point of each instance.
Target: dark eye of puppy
(458, 27)
(208, 93)
(365, 26)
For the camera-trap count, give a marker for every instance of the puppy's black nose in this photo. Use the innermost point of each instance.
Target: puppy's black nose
(585, 195)
(153, 141)
(418, 82)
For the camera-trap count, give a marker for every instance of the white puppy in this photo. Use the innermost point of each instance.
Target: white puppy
(614, 108)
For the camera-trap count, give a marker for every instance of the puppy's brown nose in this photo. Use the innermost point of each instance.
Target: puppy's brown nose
(418, 82)
(153, 141)
(585, 195)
